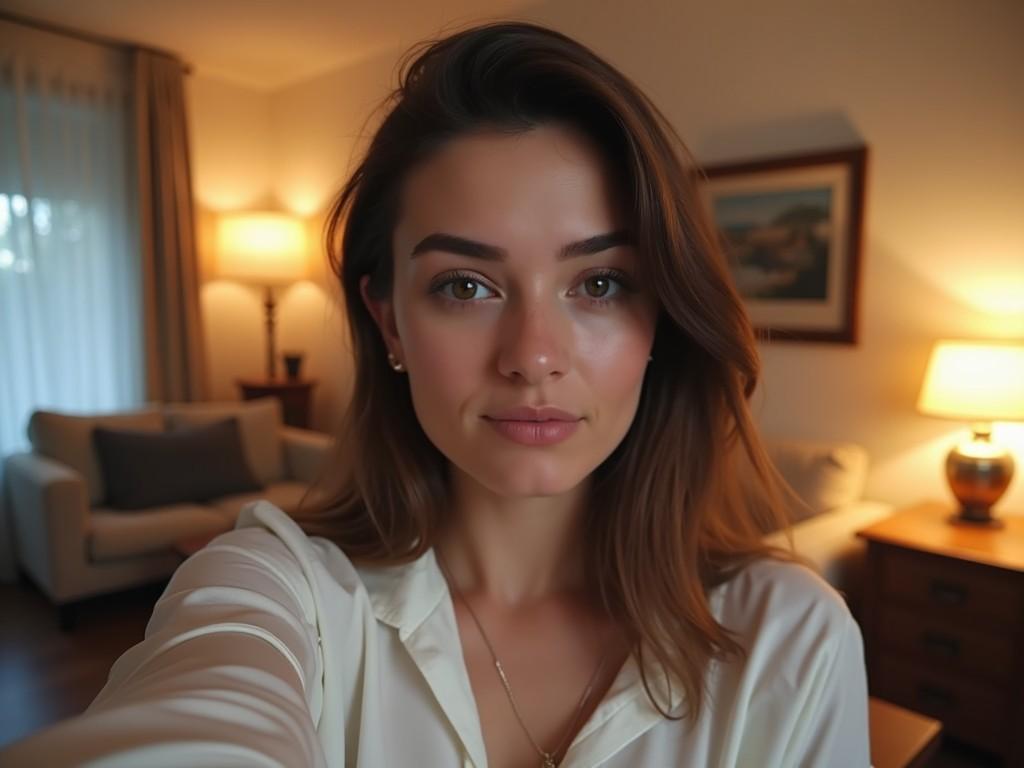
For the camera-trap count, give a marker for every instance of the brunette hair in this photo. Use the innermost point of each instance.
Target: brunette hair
(668, 518)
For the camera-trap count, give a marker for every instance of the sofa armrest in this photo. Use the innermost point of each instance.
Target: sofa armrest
(304, 453)
(49, 513)
(830, 541)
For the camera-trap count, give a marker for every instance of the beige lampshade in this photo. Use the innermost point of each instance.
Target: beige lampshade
(262, 247)
(974, 381)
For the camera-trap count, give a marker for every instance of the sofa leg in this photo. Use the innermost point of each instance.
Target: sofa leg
(67, 616)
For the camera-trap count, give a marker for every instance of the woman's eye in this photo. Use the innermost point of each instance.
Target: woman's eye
(597, 287)
(606, 287)
(462, 289)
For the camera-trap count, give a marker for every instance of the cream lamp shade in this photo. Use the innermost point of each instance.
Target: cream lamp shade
(263, 247)
(973, 381)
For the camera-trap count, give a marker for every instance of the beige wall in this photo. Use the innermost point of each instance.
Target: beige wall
(235, 167)
(932, 87)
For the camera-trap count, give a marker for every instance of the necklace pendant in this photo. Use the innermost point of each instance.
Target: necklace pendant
(549, 762)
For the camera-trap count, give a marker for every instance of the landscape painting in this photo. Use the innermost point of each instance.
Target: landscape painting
(778, 241)
(790, 230)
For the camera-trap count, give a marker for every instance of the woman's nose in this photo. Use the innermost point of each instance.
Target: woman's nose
(535, 342)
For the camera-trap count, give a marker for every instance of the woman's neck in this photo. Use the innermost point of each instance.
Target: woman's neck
(514, 551)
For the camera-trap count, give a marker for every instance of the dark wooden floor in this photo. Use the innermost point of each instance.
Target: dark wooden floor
(47, 675)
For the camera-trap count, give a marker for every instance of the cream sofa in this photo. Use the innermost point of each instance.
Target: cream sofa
(74, 547)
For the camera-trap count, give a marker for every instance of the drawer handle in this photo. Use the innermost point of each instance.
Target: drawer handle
(941, 645)
(937, 698)
(946, 593)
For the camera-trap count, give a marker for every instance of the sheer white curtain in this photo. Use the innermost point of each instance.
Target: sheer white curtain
(70, 314)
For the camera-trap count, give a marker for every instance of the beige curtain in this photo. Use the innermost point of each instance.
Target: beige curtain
(174, 342)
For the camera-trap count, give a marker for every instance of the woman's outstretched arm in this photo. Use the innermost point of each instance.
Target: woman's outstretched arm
(229, 673)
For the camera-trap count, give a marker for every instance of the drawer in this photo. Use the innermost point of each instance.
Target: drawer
(971, 711)
(951, 644)
(951, 588)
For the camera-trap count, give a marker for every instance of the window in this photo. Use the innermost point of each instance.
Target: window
(70, 288)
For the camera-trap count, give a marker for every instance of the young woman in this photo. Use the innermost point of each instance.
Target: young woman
(539, 542)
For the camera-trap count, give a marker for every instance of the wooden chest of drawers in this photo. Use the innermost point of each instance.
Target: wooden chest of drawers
(944, 623)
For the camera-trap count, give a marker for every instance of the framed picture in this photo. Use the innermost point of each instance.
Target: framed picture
(791, 229)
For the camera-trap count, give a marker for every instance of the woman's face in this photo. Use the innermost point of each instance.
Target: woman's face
(489, 312)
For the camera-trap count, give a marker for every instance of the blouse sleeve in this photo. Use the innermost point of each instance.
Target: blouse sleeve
(831, 724)
(229, 673)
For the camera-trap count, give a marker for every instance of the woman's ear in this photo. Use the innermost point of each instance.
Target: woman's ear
(382, 311)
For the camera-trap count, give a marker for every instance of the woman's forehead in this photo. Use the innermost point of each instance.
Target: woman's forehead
(545, 185)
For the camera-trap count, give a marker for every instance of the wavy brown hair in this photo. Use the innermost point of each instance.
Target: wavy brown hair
(668, 518)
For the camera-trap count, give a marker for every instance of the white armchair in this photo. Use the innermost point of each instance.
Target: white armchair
(74, 547)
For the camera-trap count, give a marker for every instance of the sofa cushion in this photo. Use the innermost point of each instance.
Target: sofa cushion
(114, 534)
(67, 438)
(825, 474)
(146, 469)
(260, 421)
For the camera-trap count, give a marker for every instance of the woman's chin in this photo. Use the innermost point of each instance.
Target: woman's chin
(521, 481)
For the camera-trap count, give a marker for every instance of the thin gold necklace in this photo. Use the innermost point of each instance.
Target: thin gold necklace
(547, 758)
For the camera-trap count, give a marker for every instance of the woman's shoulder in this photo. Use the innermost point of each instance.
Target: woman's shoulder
(269, 533)
(801, 683)
(774, 601)
(782, 584)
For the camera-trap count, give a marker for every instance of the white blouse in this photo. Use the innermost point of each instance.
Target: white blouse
(269, 648)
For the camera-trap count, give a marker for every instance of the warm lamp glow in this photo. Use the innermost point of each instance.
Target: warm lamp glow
(261, 247)
(974, 381)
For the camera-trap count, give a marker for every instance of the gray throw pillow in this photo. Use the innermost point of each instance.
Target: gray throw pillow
(195, 464)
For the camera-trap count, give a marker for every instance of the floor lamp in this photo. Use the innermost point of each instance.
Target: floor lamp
(262, 248)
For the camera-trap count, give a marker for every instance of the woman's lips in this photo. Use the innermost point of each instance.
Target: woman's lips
(531, 413)
(534, 432)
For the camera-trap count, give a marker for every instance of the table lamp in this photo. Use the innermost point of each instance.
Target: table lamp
(979, 382)
(264, 248)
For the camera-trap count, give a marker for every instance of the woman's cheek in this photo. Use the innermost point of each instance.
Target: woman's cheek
(617, 349)
(446, 365)
(439, 343)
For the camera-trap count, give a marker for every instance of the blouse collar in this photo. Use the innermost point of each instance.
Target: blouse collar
(403, 596)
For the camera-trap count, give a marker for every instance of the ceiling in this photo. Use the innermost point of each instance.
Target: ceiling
(266, 44)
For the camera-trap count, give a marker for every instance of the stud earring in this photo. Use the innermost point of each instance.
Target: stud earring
(394, 363)
(650, 358)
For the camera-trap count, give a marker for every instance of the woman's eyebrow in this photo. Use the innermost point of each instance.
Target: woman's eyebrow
(441, 241)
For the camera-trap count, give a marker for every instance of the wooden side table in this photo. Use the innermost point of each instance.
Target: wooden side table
(901, 738)
(295, 395)
(944, 623)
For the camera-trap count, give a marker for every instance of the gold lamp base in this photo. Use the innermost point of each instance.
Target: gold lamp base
(979, 472)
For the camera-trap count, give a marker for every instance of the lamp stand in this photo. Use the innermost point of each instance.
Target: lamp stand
(268, 303)
(978, 472)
